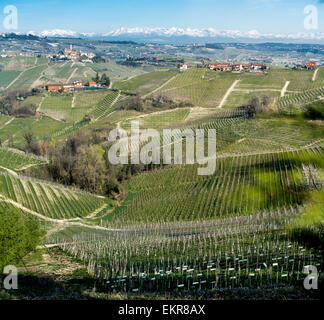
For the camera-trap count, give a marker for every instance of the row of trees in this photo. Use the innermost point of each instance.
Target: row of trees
(104, 80)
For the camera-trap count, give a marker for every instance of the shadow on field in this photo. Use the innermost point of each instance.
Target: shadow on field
(38, 287)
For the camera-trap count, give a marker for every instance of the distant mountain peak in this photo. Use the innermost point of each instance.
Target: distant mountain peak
(156, 33)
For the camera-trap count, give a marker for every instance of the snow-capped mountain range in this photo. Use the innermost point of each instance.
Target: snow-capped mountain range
(171, 34)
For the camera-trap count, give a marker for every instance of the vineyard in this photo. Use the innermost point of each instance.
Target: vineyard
(161, 120)
(116, 71)
(16, 161)
(20, 63)
(200, 87)
(49, 200)
(57, 107)
(28, 77)
(179, 194)
(293, 102)
(275, 78)
(164, 228)
(146, 83)
(104, 107)
(193, 257)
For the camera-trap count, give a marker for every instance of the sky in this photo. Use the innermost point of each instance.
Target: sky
(100, 16)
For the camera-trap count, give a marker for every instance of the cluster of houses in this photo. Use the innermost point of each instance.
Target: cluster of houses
(69, 54)
(311, 65)
(74, 86)
(240, 67)
(75, 55)
(225, 66)
(25, 54)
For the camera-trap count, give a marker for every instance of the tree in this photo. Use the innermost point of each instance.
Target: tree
(90, 168)
(28, 136)
(105, 81)
(96, 78)
(19, 235)
(136, 103)
(262, 103)
(98, 59)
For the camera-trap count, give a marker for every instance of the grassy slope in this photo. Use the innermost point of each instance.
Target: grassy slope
(146, 83)
(7, 76)
(200, 87)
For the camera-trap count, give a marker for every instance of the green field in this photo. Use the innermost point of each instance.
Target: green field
(276, 79)
(15, 130)
(201, 87)
(115, 71)
(242, 98)
(162, 120)
(21, 63)
(146, 83)
(57, 107)
(35, 100)
(64, 72)
(29, 77)
(7, 76)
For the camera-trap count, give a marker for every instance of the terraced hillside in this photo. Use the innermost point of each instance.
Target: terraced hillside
(293, 102)
(104, 107)
(170, 229)
(179, 194)
(200, 87)
(47, 200)
(31, 72)
(144, 84)
(17, 161)
(195, 257)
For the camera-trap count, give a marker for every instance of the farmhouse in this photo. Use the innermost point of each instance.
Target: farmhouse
(93, 84)
(12, 54)
(68, 87)
(54, 87)
(77, 84)
(221, 66)
(311, 65)
(246, 66)
(258, 66)
(237, 68)
(182, 66)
